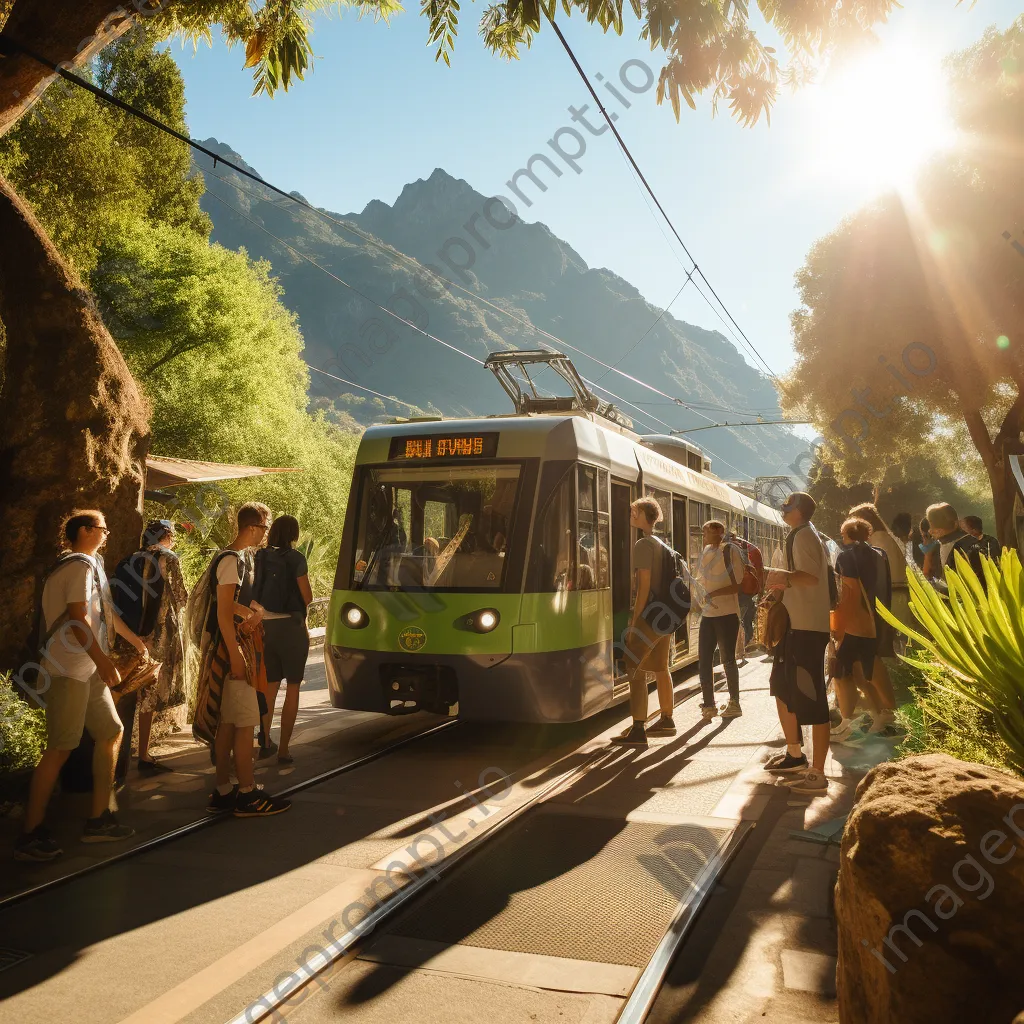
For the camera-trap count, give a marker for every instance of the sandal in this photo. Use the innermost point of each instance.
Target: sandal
(147, 767)
(285, 759)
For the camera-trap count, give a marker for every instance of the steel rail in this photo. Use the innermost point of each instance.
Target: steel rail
(647, 986)
(274, 1000)
(201, 823)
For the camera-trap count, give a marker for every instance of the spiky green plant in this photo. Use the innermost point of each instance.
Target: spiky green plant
(977, 635)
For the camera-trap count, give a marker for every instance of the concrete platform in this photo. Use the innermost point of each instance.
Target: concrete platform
(197, 930)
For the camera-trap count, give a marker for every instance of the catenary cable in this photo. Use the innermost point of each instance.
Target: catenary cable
(636, 167)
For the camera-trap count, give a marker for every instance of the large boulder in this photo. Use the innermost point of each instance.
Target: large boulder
(930, 896)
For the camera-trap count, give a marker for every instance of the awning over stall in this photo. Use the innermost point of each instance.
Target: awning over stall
(162, 472)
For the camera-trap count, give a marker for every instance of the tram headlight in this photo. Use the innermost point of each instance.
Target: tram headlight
(354, 617)
(484, 620)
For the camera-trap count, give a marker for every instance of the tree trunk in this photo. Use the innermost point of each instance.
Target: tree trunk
(73, 423)
(63, 31)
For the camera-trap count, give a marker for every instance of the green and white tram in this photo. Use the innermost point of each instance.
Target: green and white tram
(485, 565)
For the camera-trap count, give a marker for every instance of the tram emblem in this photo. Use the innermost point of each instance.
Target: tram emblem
(412, 639)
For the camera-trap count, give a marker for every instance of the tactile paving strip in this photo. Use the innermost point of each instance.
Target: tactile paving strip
(597, 889)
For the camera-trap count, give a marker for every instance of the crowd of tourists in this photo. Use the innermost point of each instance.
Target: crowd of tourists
(109, 651)
(818, 617)
(113, 649)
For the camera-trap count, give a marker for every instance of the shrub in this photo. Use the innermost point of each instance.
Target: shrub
(976, 640)
(938, 721)
(22, 729)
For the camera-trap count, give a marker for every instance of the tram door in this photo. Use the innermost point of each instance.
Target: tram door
(622, 551)
(679, 539)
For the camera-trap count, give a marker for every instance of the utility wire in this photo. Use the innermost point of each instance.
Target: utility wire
(373, 302)
(353, 384)
(758, 423)
(636, 167)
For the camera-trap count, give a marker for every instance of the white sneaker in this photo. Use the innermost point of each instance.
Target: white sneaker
(810, 783)
(882, 721)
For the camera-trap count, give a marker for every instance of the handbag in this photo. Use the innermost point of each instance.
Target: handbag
(774, 623)
(136, 670)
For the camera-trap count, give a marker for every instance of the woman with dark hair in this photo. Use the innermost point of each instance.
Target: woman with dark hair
(164, 641)
(282, 590)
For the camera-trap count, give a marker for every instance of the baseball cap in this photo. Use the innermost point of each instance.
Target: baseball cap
(801, 501)
(156, 529)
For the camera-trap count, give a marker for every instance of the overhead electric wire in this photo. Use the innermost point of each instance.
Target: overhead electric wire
(636, 167)
(636, 344)
(757, 423)
(308, 259)
(352, 383)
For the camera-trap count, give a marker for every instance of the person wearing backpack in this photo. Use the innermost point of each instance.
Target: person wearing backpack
(719, 573)
(751, 585)
(648, 642)
(797, 680)
(864, 579)
(945, 528)
(74, 636)
(231, 669)
(150, 596)
(282, 590)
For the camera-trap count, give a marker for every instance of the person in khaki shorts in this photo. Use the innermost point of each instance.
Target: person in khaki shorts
(239, 706)
(646, 649)
(79, 624)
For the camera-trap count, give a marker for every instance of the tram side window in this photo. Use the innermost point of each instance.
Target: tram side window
(593, 524)
(698, 517)
(553, 561)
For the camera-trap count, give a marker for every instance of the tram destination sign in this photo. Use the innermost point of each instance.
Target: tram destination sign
(444, 446)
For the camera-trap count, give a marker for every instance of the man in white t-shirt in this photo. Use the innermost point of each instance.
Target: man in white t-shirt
(798, 674)
(79, 624)
(719, 572)
(240, 712)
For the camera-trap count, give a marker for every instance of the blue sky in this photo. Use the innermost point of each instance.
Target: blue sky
(378, 112)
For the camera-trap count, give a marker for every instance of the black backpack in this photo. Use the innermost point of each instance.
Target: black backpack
(972, 549)
(674, 600)
(276, 587)
(833, 586)
(137, 587)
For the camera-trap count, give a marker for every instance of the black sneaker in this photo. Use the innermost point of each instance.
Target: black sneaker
(787, 764)
(635, 736)
(268, 750)
(36, 845)
(259, 804)
(105, 829)
(218, 804)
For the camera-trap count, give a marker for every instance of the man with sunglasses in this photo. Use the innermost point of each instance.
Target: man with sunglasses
(79, 624)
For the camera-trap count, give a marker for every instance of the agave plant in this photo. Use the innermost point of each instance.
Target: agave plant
(978, 637)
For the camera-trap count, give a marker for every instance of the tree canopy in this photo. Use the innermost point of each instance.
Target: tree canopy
(911, 332)
(710, 46)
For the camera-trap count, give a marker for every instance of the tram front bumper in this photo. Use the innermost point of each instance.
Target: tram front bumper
(555, 686)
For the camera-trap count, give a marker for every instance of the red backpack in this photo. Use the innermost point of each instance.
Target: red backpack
(753, 569)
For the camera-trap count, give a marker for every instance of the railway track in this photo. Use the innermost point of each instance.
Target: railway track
(208, 820)
(276, 1003)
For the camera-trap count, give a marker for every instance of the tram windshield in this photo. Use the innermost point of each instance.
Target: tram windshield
(438, 527)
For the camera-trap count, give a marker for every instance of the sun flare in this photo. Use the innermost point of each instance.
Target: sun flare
(881, 117)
